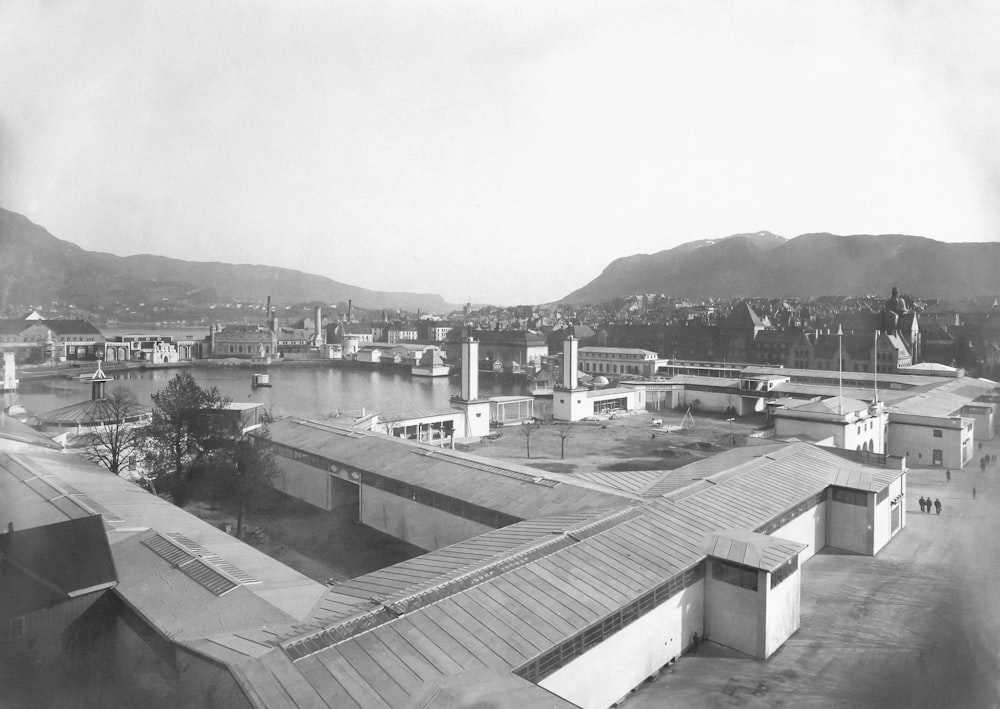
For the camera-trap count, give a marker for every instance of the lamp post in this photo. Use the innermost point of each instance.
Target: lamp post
(732, 438)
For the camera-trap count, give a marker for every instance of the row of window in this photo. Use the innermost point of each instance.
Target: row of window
(559, 656)
(742, 576)
(781, 520)
(784, 571)
(850, 497)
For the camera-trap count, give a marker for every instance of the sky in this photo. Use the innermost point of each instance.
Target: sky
(498, 152)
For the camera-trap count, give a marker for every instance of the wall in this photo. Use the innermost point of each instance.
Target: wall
(608, 672)
(571, 405)
(308, 484)
(982, 415)
(883, 515)
(714, 401)
(44, 630)
(732, 613)
(850, 527)
(426, 527)
(787, 427)
(782, 611)
(808, 528)
(916, 441)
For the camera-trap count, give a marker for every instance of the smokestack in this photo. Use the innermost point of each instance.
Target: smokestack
(320, 338)
(350, 304)
(570, 363)
(470, 369)
(267, 314)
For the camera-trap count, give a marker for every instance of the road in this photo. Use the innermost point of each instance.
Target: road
(918, 626)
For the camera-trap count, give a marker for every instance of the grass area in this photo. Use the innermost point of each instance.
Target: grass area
(623, 443)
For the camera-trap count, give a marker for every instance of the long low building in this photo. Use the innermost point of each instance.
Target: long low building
(573, 606)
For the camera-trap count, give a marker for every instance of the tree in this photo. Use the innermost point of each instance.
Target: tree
(565, 431)
(120, 438)
(526, 431)
(182, 431)
(241, 470)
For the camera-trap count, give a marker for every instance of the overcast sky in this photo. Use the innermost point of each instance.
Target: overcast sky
(494, 151)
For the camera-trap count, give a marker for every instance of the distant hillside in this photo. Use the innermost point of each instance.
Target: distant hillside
(37, 267)
(765, 265)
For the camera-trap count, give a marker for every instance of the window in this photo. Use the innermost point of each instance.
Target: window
(741, 576)
(938, 433)
(850, 497)
(784, 571)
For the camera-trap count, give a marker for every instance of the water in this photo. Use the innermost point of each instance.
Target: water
(305, 391)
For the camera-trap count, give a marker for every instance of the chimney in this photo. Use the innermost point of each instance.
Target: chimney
(320, 338)
(570, 363)
(470, 369)
(350, 304)
(267, 314)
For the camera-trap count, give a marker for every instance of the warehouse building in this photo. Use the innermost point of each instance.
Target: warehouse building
(602, 581)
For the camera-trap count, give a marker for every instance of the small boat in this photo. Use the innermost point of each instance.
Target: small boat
(259, 379)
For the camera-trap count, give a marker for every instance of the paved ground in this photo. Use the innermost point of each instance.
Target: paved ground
(918, 626)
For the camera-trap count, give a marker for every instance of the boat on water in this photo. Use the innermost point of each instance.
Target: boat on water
(260, 379)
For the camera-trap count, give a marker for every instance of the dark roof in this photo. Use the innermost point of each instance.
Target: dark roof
(88, 413)
(71, 327)
(69, 558)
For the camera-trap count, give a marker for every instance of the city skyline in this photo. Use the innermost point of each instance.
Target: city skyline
(493, 154)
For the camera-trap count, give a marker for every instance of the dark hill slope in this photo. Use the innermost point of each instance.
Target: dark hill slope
(806, 266)
(37, 267)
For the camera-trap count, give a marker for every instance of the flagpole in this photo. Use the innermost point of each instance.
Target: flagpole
(875, 356)
(840, 369)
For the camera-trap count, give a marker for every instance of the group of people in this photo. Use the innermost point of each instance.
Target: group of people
(926, 505)
(986, 460)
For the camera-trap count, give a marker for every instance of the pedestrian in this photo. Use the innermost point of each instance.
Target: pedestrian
(947, 474)
(982, 465)
(973, 492)
(937, 506)
(993, 458)
(695, 641)
(922, 503)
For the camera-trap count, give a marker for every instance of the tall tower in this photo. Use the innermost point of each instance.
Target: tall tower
(319, 338)
(569, 399)
(477, 411)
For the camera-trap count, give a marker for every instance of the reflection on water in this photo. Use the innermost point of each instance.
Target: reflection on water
(306, 391)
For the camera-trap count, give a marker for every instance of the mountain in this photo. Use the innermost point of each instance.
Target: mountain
(36, 267)
(766, 265)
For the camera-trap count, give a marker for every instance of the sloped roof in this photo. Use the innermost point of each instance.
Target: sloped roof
(88, 413)
(72, 327)
(759, 551)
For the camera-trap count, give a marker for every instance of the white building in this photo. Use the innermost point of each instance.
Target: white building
(618, 360)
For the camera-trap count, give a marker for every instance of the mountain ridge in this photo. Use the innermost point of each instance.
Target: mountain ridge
(808, 265)
(36, 266)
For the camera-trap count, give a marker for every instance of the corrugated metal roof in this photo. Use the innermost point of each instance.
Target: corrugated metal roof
(493, 484)
(759, 551)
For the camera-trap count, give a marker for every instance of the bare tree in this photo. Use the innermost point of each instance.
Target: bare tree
(119, 439)
(565, 431)
(526, 431)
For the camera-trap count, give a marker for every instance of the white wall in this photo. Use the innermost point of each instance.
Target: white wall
(782, 613)
(732, 613)
(713, 401)
(808, 528)
(606, 673)
(917, 443)
(571, 405)
(426, 527)
(883, 516)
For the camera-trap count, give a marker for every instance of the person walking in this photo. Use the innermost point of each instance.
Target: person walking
(922, 503)
(937, 506)
(973, 492)
(947, 474)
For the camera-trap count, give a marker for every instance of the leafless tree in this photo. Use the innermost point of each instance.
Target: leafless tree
(119, 439)
(565, 431)
(526, 431)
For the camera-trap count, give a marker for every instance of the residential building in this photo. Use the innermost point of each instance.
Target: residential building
(618, 361)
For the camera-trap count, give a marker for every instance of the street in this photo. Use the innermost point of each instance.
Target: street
(918, 626)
